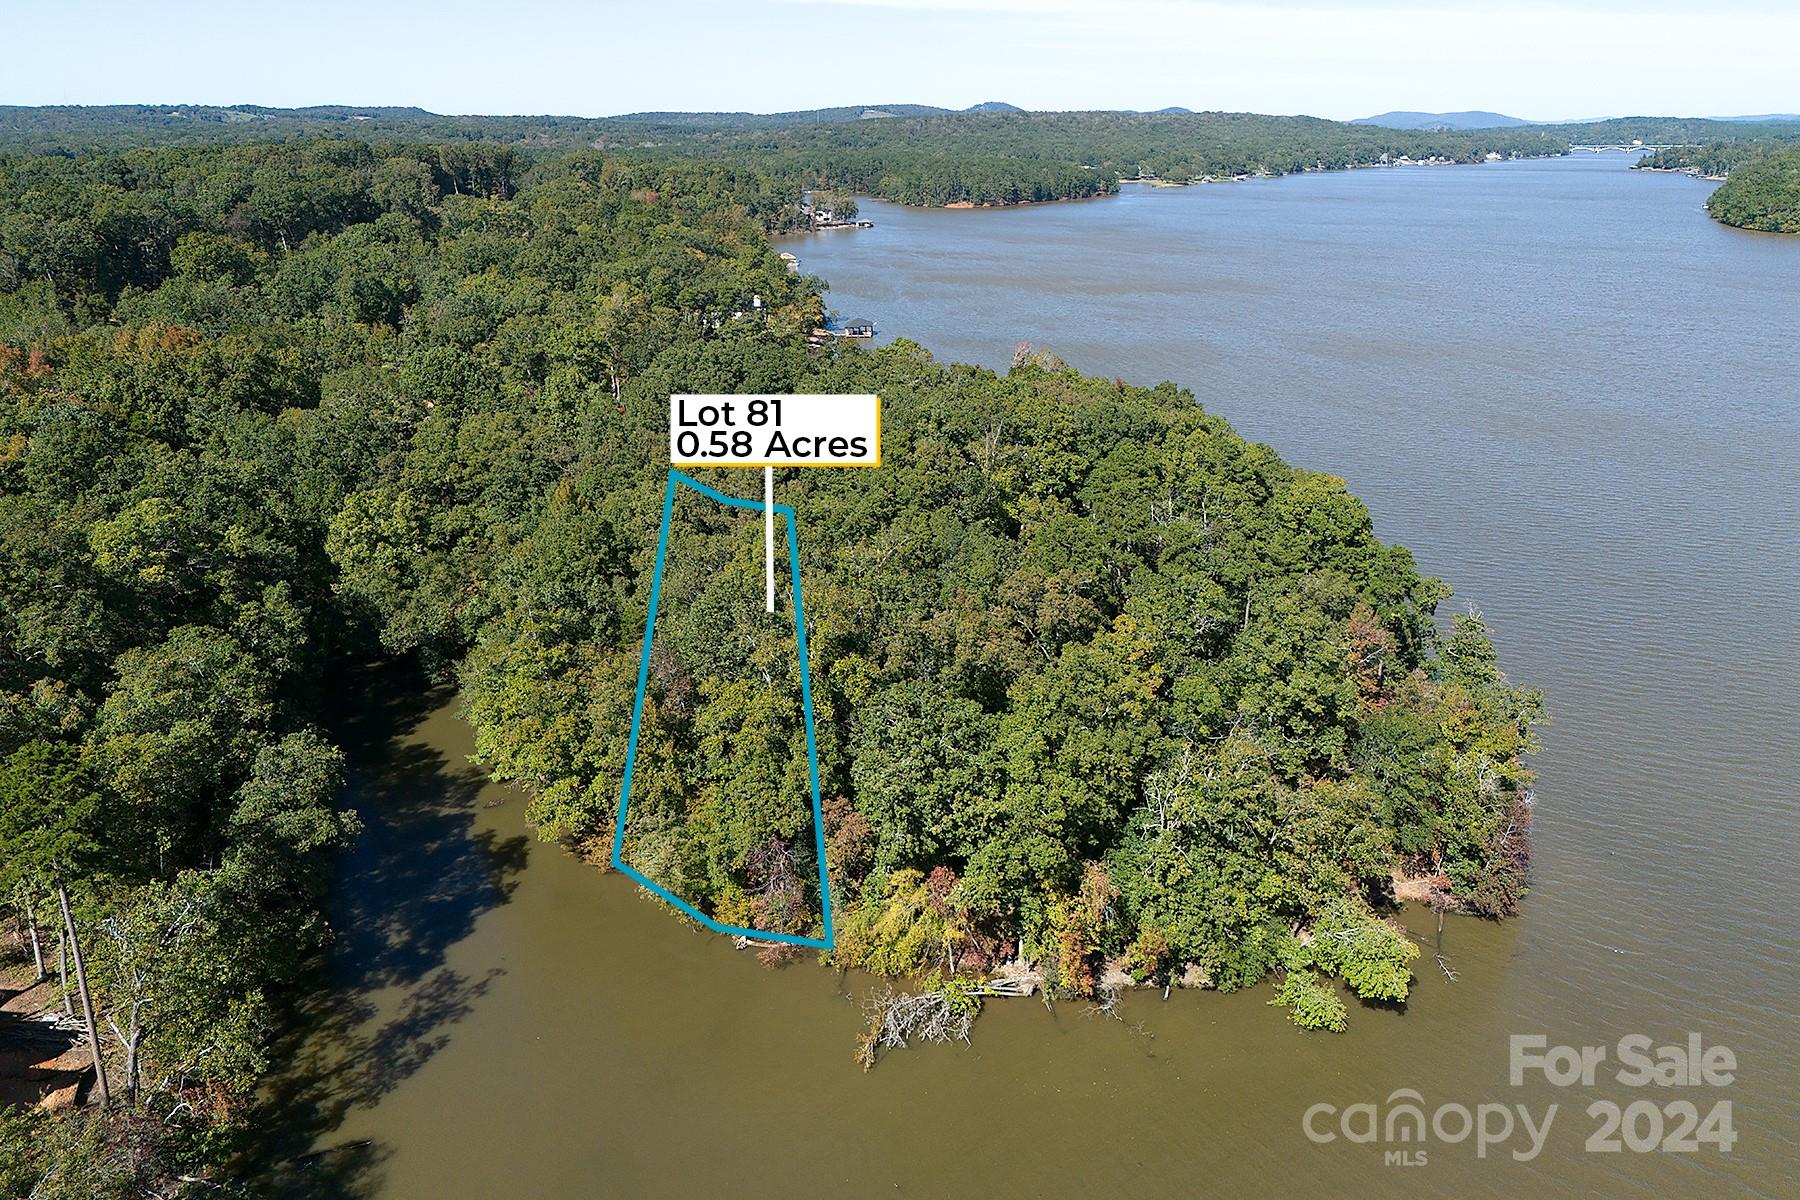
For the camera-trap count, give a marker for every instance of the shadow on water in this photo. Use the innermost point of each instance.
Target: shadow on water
(415, 884)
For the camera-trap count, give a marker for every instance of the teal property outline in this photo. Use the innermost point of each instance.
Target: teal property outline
(677, 479)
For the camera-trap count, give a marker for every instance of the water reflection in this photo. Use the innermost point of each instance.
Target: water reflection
(420, 877)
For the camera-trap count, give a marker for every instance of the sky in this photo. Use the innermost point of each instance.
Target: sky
(1330, 58)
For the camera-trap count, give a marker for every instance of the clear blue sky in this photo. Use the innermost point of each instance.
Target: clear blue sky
(1335, 58)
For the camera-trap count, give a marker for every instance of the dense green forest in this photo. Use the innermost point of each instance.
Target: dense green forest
(1100, 685)
(1763, 193)
(207, 360)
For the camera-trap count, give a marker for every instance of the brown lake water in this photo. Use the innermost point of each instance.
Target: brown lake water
(1572, 395)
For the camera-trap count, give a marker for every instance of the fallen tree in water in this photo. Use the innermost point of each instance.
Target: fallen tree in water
(944, 1012)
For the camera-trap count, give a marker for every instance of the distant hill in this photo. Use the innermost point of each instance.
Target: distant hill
(1171, 141)
(108, 116)
(335, 112)
(1475, 119)
(783, 120)
(73, 128)
(806, 116)
(118, 116)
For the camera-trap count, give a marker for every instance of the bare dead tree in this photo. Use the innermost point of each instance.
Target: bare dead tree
(23, 898)
(1106, 1003)
(62, 971)
(133, 951)
(941, 1014)
(897, 1018)
(87, 1000)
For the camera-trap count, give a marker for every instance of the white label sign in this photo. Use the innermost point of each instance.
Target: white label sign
(774, 431)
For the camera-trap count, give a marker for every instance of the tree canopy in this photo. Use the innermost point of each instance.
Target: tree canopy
(1762, 194)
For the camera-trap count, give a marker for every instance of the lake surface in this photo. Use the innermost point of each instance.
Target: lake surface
(1572, 395)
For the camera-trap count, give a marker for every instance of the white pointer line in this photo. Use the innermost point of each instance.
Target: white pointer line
(769, 534)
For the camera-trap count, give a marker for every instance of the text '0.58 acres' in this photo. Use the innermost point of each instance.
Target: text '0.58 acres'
(774, 431)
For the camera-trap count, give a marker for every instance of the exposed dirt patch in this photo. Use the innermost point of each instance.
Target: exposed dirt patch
(40, 1061)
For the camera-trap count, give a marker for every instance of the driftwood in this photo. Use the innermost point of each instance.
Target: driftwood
(943, 1014)
(1106, 1003)
(28, 1029)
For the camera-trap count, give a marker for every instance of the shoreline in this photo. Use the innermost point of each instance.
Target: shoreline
(1154, 181)
(1690, 172)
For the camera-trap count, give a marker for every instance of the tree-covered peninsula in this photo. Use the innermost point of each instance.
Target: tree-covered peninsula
(1762, 194)
(1102, 688)
(1761, 188)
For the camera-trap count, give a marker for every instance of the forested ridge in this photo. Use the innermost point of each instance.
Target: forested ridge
(1670, 131)
(1100, 686)
(915, 156)
(1007, 158)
